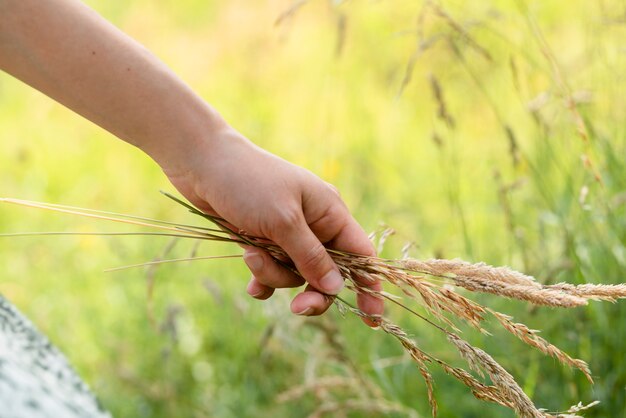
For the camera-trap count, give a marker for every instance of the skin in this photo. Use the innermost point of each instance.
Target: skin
(67, 51)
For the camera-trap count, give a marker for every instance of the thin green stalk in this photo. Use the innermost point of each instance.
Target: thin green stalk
(173, 260)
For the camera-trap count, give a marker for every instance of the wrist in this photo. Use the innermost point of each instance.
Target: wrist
(191, 137)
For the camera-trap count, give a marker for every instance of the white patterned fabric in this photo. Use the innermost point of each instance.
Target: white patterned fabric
(36, 380)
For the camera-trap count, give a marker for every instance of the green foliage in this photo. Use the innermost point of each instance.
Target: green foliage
(491, 151)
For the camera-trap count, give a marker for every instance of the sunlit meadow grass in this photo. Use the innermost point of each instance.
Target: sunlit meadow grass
(454, 188)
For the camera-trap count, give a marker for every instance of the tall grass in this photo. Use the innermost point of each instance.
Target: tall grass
(418, 281)
(394, 158)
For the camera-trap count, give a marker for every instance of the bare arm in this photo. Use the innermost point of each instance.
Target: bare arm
(66, 50)
(69, 52)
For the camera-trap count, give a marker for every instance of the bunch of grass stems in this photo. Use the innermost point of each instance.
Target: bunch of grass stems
(430, 283)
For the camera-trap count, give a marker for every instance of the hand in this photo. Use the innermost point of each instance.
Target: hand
(66, 50)
(265, 196)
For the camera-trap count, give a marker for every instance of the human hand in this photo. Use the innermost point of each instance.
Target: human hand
(267, 197)
(69, 52)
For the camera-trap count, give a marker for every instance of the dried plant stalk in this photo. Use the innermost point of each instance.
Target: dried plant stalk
(428, 283)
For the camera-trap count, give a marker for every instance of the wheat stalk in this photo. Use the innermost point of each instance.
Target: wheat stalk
(430, 283)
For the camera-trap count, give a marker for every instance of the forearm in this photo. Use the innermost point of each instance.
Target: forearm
(67, 51)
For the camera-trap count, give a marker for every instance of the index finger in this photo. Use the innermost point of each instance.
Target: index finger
(352, 238)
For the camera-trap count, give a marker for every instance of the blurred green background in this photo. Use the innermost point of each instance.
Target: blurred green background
(491, 131)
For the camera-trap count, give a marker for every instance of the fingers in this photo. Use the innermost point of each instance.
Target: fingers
(312, 260)
(310, 302)
(353, 239)
(324, 218)
(269, 275)
(267, 272)
(370, 304)
(310, 257)
(258, 290)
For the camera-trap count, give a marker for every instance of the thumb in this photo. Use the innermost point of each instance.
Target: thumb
(310, 257)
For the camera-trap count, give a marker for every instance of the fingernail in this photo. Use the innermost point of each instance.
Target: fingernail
(332, 283)
(253, 260)
(308, 311)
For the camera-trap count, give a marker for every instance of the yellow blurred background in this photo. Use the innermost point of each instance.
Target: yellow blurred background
(465, 126)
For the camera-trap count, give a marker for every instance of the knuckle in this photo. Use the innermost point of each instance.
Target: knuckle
(313, 259)
(289, 217)
(283, 222)
(334, 189)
